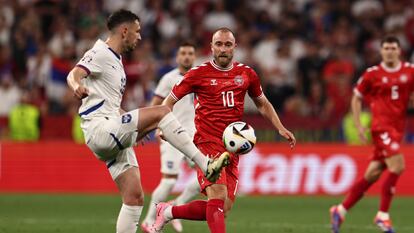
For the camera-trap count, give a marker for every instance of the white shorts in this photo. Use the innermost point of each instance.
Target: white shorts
(111, 138)
(125, 159)
(171, 159)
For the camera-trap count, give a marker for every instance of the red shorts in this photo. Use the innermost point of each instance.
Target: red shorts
(229, 175)
(386, 143)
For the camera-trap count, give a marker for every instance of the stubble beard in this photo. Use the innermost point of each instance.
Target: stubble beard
(223, 62)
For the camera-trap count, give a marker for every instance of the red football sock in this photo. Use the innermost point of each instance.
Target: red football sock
(195, 210)
(388, 190)
(215, 216)
(356, 193)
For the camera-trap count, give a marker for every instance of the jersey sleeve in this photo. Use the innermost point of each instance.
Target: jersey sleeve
(185, 86)
(91, 62)
(255, 88)
(164, 87)
(363, 85)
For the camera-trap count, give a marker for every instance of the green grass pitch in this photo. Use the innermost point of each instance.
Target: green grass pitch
(44, 213)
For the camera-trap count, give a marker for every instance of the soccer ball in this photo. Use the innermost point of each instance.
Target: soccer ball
(239, 138)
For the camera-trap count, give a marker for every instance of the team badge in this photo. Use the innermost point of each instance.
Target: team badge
(395, 146)
(403, 78)
(126, 118)
(384, 80)
(213, 82)
(238, 80)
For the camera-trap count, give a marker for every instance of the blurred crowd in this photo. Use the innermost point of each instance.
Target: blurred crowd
(308, 53)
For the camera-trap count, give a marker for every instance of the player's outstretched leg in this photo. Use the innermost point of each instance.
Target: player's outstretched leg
(176, 135)
(152, 117)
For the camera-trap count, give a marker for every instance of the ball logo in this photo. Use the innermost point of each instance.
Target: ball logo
(245, 147)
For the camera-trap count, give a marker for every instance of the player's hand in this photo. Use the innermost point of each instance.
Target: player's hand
(362, 133)
(81, 92)
(289, 136)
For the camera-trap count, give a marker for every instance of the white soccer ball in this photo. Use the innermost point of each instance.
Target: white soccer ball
(239, 138)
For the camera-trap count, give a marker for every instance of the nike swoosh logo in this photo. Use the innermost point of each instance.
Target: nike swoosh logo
(221, 210)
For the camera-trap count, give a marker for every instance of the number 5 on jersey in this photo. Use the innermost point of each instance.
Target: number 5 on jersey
(228, 98)
(394, 92)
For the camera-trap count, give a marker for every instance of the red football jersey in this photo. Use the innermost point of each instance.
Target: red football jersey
(387, 92)
(219, 96)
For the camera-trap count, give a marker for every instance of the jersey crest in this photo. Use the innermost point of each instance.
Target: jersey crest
(238, 80)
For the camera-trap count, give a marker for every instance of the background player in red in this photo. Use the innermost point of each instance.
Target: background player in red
(220, 87)
(386, 88)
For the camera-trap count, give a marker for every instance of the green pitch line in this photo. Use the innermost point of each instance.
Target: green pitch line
(41, 213)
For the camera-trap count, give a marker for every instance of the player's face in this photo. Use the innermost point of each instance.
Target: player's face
(186, 57)
(390, 52)
(131, 36)
(222, 47)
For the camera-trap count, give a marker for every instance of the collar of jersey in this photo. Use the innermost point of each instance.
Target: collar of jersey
(391, 70)
(106, 45)
(219, 68)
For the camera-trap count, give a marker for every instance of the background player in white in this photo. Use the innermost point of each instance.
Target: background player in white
(99, 80)
(171, 158)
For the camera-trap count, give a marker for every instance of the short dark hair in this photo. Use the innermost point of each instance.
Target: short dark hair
(390, 39)
(224, 29)
(186, 44)
(119, 17)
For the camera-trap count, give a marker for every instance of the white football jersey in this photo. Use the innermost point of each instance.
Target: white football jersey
(184, 108)
(106, 81)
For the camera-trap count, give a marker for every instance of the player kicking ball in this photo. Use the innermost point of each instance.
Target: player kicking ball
(99, 80)
(386, 88)
(220, 86)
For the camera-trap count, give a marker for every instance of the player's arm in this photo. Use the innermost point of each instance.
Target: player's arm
(266, 109)
(74, 81)
(156, 100)
(356, 106)
(169, 102)
(362, 88)
(180, 89)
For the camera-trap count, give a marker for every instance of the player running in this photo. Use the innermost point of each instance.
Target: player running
(386, 88)
(99, 80)
(220, 87)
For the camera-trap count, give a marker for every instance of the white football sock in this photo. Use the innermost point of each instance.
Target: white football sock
(128, 219)
(168, 213)
(160, 194)
(383, 215)
(192, 190)
(177, 136)
(342, 210)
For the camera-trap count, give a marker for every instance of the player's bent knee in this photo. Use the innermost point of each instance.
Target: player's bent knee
(135, 198)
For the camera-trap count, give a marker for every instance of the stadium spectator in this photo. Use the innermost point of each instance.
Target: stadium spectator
(24, 120)
(36, 30)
